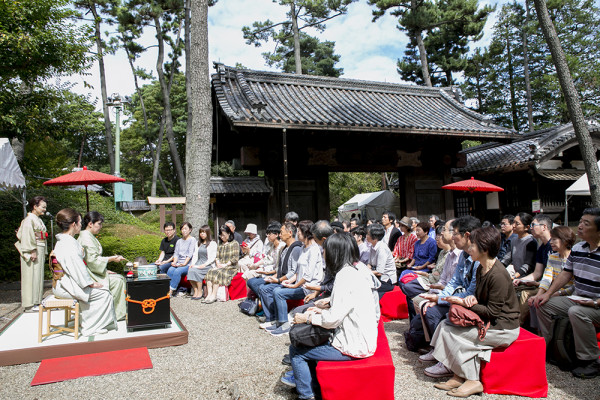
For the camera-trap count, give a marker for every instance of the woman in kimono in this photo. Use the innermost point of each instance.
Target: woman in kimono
(95, 300)
(32, 236)
(97, 264)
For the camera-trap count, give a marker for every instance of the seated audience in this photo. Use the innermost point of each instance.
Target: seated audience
(433, 219)
(562, 240)
(252, 248)
(286, 268)
(523, 247)
(354, 223)
(392, 233)
(267, 264)
(96, 302)
(526, 286)
(363, 248)
(584, 310)
(507, 235)
(184, 252)
(462, 285)
(167, 247)
(381, 261)
(460, 350)
(424, 280)
(351, 311)
(309, 271)
(205, 261)
(226, 264)
(425, 251)
(404, 249)
(321, 230)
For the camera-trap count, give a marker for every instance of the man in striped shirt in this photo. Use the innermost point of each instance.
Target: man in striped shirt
(584, 310)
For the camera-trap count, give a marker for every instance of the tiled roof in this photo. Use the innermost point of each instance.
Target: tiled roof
(531, 149)
(279, 100)
(238, 185)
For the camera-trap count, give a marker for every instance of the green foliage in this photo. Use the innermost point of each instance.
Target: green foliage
(132, 234)
(137, 245)
(227, 169)
(495, 75)
(344, 185)
(318, 57)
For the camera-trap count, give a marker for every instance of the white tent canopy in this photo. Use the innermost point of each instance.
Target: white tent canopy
(10, 173)
(369, 205)
(581, 187)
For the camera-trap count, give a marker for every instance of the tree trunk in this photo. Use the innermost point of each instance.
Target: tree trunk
(526, 68)
(296, 33)
(511, 85)
(167, 104)
(107, 125)
(588, 151)
(421, 46)
(199, 142)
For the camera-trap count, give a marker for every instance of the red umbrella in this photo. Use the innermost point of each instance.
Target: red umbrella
(473, 185)
(83, 177)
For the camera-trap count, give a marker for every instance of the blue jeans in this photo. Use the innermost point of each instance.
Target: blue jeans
(411, 289)
(265, 292)
(280, 295)
(304, 366)
(255, 284)
(175, 273)
(164, 267)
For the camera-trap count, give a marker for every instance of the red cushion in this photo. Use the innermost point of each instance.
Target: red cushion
(528, 351)
(237, 288)
(393, 305)
(294, 303)
(184, 282)
(368, 378)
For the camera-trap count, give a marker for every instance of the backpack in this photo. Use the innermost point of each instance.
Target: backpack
(561, 349)
(249, 306)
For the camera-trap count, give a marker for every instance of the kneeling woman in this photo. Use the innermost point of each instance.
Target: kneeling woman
(459, 348)
(96, 302)
(228, 254)
(353, 313)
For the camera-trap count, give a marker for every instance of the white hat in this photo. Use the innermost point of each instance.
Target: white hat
(251, 228)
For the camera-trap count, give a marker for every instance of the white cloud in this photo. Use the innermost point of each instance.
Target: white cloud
(368, 50)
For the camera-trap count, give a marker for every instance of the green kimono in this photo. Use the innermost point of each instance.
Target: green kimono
(97, 267)
(32, 236)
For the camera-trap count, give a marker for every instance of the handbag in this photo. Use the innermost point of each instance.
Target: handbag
(249, 306)
(462, 316)
(222, 293)
(307, 335)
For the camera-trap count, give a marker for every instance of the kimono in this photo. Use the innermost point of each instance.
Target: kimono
(96, 305)
(96, 265)
(32, 236)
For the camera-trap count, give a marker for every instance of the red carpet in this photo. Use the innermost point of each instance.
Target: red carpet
(111, 362)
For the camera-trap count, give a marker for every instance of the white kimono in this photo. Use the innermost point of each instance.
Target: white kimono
(32, 236)
(97, 267)
(96, 305)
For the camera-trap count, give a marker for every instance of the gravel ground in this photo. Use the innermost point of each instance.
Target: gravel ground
(228, 357)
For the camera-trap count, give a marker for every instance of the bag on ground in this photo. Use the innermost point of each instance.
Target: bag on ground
(561, 349)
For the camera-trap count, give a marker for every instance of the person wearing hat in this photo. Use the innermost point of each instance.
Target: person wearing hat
(404, 249)
(252, 248)
(337, 226)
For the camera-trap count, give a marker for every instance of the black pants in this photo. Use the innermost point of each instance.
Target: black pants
(384, 288)
(411, 289)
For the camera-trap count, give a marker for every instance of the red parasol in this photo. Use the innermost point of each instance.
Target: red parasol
(473, 185)
(83, 177)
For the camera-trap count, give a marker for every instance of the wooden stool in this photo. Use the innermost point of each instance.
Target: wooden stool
(71, 307)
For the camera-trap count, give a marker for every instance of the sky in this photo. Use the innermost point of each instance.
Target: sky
(368, 50)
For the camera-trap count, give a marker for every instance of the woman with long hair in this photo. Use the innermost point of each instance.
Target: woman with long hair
(32, 245)
(95, 300)
(184, 251)
(352, 311)
(207, 253)
(97, 264)
(228, 254)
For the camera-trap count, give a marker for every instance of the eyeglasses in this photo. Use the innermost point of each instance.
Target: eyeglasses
(456, 233)
(503, 224)
(534, 225)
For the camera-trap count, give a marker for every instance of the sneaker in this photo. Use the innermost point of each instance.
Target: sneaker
(280, 331)
(272, 327)
(438, 370)
(428, 357)
(266, 325)
(289, 380)
(261, 319)
(32, 309)
(586, 371)
(289, 373)
(180, 294)
(286, 360)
